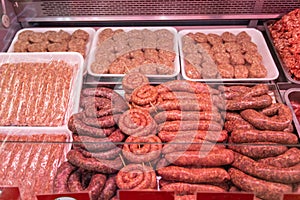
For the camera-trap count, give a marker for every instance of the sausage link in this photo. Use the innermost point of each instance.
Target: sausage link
(133, 80)
(267, 172)
(109, 189)
(95, 102)
(136, 176)
(94, 112)
(237, 125)
(144, 95)
(259, 149)
(186, 86)
(187, 188)
(231, 116)
(172, 115)
(105, 155)
(201, 159)
(178, 125)
(60, 182)
(271, 110)
(162, 162)
(98, 144)
(212, 136)
(249, 136)
(190, 144)
(194, 175)
(76, 125)
(185, 105)
(102, 122)
(263, 122)
(184, 95)
(185, 197)
(288, 159)
(244, 92)
(95, 186)
(249, 103)
(263, 189)
(93, 164)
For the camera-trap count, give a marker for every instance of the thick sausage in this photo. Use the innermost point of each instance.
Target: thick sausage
(184, 95)
(263, 189)
(201, 159)
(237, 124)
(230, 116)
(194, 175)
(244, 92)
(190, 144)
(109, 189)
(95, 186)
(162, 162)
(186, 86)
(172, 115)
(136, 176)
(187, 188)
(288, 159)
(98, 144)
(185, 105)
(267, 172)
(259, 149)
(253, 102)
(271, 110)
(60, 182)
(249, 136)
(213, 136)
(93, 164)
(178, 125)
(276, 123)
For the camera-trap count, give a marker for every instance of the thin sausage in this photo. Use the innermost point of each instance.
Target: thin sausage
(237, 124)
(105, 155)
(102, 122)
(185, 105)
(93, 164)
(61, 178)
(109, 189)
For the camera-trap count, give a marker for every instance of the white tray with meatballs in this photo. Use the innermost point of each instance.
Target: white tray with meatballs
(237, 54)
(77, 39)
(152, 51)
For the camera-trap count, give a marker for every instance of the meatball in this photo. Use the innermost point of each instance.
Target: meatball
(241, 71)
(228, 37)
(200, 37)
(214, 38)
(226, 70)
(236, 58)
(80, 34)
(222, 58)
(257, 71)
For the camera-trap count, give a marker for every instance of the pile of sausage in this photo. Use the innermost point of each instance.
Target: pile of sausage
(52, 41)
(174, 131)
(286, 36)
(35, 94)
(145, 51)
(30, 161)
(260, 134)
(208, 56)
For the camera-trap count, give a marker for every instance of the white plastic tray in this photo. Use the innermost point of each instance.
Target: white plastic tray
(256, 37)
(73, 59)
(90, 31)
(91, 58)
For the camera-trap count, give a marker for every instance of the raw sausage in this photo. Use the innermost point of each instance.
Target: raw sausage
(201, 159)
(267, 172)
(263, 189)
(253, 102)
(93, 164)
(60, 182)
(178, 125)
(213, 136)
(194, 175)
(249, 136)
(109, 188)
